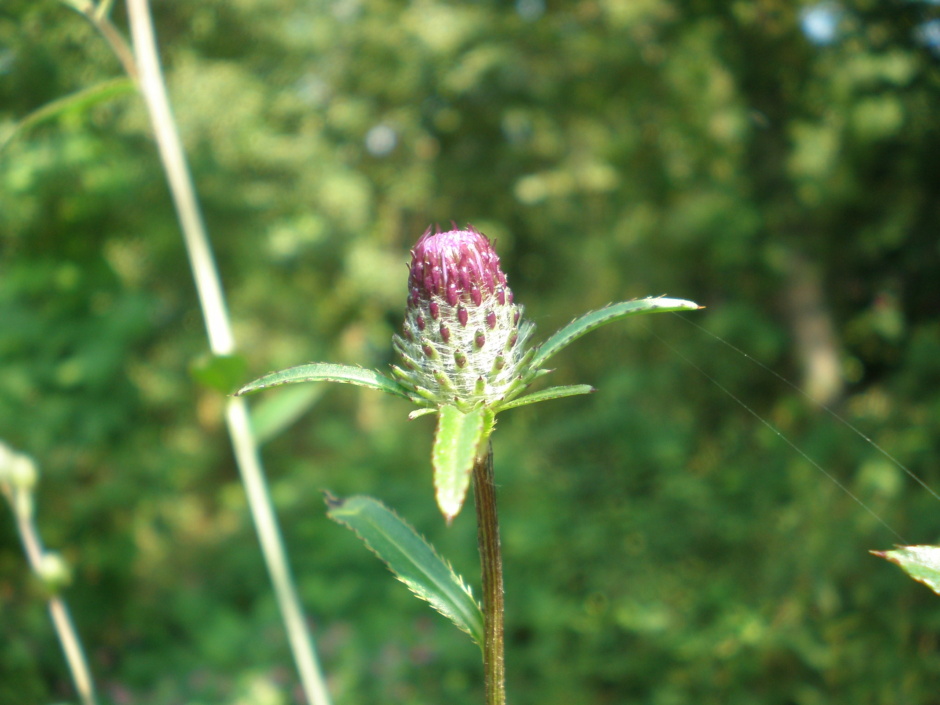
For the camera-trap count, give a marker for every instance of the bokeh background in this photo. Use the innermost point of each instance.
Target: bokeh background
(776, 161)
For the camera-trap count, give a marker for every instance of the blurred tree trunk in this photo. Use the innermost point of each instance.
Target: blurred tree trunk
(817, 345)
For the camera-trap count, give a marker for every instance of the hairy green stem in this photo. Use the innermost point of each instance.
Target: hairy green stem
(222, 342)
(491, 561)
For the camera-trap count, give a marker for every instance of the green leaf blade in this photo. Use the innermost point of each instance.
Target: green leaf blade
(411, 559)
(922, 563)
(547, 394)
(326, 372)
(596, 319)
(456, 444)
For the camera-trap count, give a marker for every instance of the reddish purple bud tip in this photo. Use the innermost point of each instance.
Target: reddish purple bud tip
(459, 265)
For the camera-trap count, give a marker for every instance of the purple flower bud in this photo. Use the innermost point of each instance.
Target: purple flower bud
(455, 280)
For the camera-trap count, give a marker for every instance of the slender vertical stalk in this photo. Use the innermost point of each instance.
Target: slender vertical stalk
(491, 560)
(221, 342)
(72, 647)
(21, 504)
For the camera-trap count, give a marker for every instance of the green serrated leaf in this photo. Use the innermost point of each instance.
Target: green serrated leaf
(922, 563)
(546, 394)
(411, 558)
(456, 442)
(326, 372)
(595, 319)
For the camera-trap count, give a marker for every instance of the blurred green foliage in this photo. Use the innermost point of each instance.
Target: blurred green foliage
(663, 546)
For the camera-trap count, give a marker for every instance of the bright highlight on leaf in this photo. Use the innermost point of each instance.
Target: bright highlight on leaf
(922, 563)
(595, 319)
(411, 559)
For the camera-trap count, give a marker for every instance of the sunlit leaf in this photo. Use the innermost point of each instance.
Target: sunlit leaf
(326, 372)
(546, 394)
(456, 443)
(920, 562)
(595, 319)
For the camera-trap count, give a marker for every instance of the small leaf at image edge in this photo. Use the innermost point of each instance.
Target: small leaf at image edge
(922, 563)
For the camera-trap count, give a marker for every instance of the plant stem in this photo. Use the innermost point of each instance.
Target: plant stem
(491, 561)
(98, 15)
(21, 504)
(222, 342)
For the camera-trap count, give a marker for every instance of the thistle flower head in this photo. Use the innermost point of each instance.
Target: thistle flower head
(463, 339)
